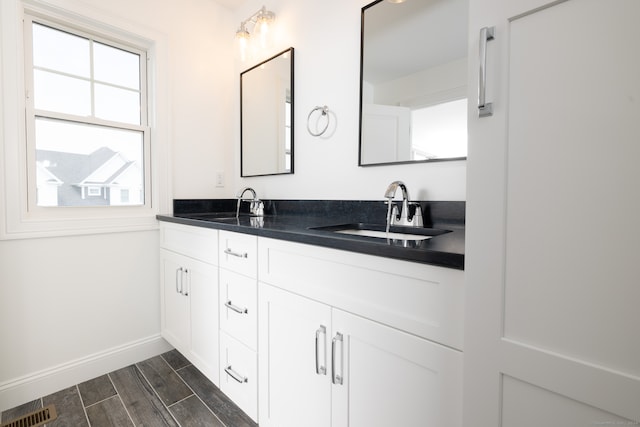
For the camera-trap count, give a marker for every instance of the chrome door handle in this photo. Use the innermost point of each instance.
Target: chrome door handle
(236, 376)
(335, 377)
(485, 109)
(236, 254)
(235, 308)
(321, 369)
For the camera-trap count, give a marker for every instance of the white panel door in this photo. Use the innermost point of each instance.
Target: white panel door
(387, 130)
(385, 377)
(552, 216)
(175, 305)
(293, 368)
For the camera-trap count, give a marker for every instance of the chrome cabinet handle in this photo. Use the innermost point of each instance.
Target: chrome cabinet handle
(335, 377)
(235, 308)
(236, 376)
(321, 369)
(236, 254)
(485, 109)
(178, 277)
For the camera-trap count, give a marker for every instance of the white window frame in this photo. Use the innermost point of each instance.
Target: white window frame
(20, 218)
(32, 113)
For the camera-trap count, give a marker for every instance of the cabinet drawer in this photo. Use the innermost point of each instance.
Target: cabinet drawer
(421, 299)
(195, 242)
(238, 307)
(239, 374)
(238, 252)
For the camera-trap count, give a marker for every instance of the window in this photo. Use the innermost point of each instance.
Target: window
(124, 195)
(87, 132)
(439, 130)
(63, 102)
(94, 191)
(287, 133)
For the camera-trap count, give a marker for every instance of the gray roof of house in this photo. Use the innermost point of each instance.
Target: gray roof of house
(74, 168)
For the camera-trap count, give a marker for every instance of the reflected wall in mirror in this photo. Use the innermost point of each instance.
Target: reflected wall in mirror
(413, 76)
(266, 117)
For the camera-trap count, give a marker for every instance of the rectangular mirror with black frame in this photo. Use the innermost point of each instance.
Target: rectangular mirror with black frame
(413, 77)
(266, 117)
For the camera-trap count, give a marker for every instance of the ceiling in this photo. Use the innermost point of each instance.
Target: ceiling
(231, 4)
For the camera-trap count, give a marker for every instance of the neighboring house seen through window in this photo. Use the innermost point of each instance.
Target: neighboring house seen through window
(87, 130)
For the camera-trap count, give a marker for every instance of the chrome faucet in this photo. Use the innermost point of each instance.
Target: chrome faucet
(404, 217)
(256, 206)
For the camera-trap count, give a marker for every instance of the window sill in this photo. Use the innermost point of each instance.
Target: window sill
(32, 229)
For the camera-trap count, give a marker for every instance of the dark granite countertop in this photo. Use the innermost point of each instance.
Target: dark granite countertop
(298, 221)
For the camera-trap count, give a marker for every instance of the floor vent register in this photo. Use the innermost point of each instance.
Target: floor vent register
(34, 419)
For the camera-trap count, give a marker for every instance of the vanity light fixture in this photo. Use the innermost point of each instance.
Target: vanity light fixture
(261, 21)
(396, 1)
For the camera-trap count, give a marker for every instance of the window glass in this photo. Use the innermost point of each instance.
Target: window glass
(116, 104)
(60, 93)
(60, 51)
(287, 135)
(116, 66)
(440, 130)
(76, 162)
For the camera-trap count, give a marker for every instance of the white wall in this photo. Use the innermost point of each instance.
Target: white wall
(66, 301)
(326, 36)
(75, 307)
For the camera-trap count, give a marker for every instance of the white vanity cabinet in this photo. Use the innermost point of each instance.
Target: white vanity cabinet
(189, 294)
(354, 340)
(239, 320)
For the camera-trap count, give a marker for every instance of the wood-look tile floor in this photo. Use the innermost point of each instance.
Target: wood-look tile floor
(166, 390)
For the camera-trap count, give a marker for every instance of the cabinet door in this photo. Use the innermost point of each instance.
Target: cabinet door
(174, 304)
(552, 216)
(294, 387)
(386, 377)
(203, 299)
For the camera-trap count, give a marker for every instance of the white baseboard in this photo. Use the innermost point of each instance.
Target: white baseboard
(29, 387)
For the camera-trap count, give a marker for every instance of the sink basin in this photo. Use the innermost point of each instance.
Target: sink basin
(384, 234)
(379, 231)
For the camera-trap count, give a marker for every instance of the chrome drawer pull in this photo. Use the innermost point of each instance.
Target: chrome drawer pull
(321, 369)
(235, 308)
(236, 376)
(236, 254)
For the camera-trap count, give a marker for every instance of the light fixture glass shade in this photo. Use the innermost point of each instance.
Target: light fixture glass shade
(242, 40)
(262, 28)
(249, 45)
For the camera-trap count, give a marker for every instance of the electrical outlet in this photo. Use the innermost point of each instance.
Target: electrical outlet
(219, 179)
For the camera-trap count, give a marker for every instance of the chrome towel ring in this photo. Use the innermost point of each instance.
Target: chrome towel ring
(324, 112)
